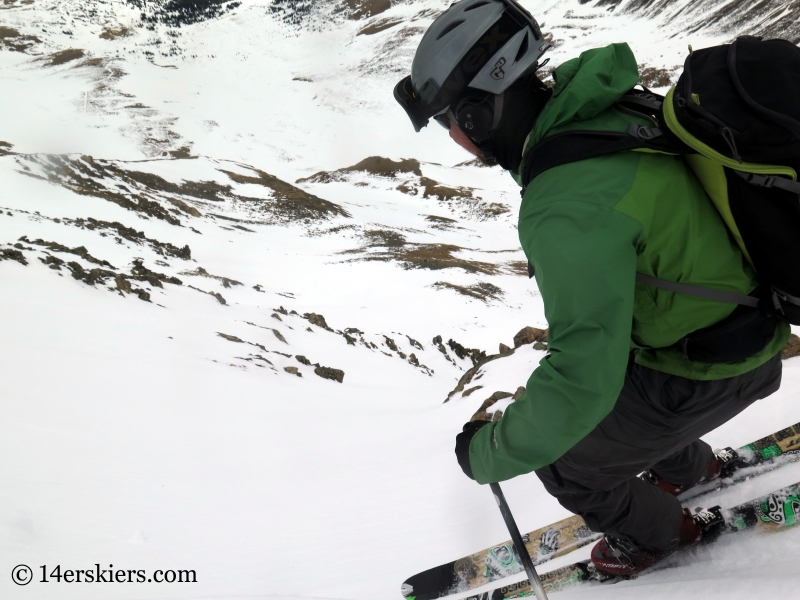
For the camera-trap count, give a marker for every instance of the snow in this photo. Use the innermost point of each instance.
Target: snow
(134, 435)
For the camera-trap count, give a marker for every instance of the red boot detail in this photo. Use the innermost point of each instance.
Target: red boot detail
(615, 556)
(690, 532)
(713, 472)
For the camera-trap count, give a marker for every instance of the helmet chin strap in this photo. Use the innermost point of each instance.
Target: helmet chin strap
(484, 143)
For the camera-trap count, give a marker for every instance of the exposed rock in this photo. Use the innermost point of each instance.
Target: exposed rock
(53, 262)
(216, 295)
(413, 359)
(437, 341)
(288, 203)
(361, 9)
(276, 316)
(138, 237)
(230, 338)
(482, 291)
(414, 343)
(385, 238)
(434, 257)
(112, 34)
(302, 360)
(259, 288)
(529, 335)
(651, 77)
(519, 392)
(11, 254)
(189, 210)
(390, 342)
(467, 377)
(90, 277)
(317, 320)
(378, 26)
(505, 350)
(293, 371)
(466, 393)
(12, 39)
(376, 165)
(329, 373)
(275, 332)
(539, 346)
(79, 251)
(440, 223)
(475, 355)
(201, 272)
(65, 56)
(142, 273)
(482, 414)
(123, 285)
(281, 310)
(792, 348)
(143, 294)
(258, 357)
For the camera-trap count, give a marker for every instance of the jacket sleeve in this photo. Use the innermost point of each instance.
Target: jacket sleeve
(585, 260)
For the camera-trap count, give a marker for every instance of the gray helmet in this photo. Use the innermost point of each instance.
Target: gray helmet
(483, 45)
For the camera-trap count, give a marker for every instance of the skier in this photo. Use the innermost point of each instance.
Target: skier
(635, 374)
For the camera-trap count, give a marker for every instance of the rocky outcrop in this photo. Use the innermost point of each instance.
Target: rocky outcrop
(330, 373)
(375, 165)
(317, 320)
(484, 414)
(530, 335)
(12, 254)
(792, 348)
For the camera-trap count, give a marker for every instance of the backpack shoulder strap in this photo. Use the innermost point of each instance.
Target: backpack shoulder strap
(572, 146)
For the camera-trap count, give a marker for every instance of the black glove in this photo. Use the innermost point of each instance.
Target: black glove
(462, 445)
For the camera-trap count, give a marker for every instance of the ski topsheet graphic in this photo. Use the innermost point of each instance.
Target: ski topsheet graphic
(560, 538)
(773, 512)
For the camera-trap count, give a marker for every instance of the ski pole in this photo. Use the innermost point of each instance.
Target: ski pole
(522, 551)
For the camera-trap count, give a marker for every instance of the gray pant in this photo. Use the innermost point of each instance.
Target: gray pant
(655, 424)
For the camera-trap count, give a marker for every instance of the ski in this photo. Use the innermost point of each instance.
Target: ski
(770, 513)
(562, 537)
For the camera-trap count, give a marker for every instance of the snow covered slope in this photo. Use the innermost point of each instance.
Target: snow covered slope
(230, 275)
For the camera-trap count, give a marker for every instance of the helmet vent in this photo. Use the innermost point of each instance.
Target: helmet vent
(449, 28)
(523, 48)
(474, 6)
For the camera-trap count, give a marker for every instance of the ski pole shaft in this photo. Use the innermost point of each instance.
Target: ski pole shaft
(522, 551)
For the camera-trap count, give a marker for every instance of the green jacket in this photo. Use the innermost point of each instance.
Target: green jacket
(587, 228)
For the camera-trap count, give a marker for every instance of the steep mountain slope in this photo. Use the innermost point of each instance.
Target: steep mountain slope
(237, 288)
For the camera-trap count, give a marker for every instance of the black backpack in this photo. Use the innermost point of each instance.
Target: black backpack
(735, 117)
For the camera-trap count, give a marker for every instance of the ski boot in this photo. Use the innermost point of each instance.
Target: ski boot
(722, 464)
(616, 556)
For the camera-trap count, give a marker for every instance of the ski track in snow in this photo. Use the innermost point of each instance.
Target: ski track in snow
(134, 434)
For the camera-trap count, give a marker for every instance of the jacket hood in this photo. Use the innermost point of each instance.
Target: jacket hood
(585, 87)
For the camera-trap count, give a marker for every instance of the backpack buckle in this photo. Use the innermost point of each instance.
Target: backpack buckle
(766, 181)
(641, 133)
